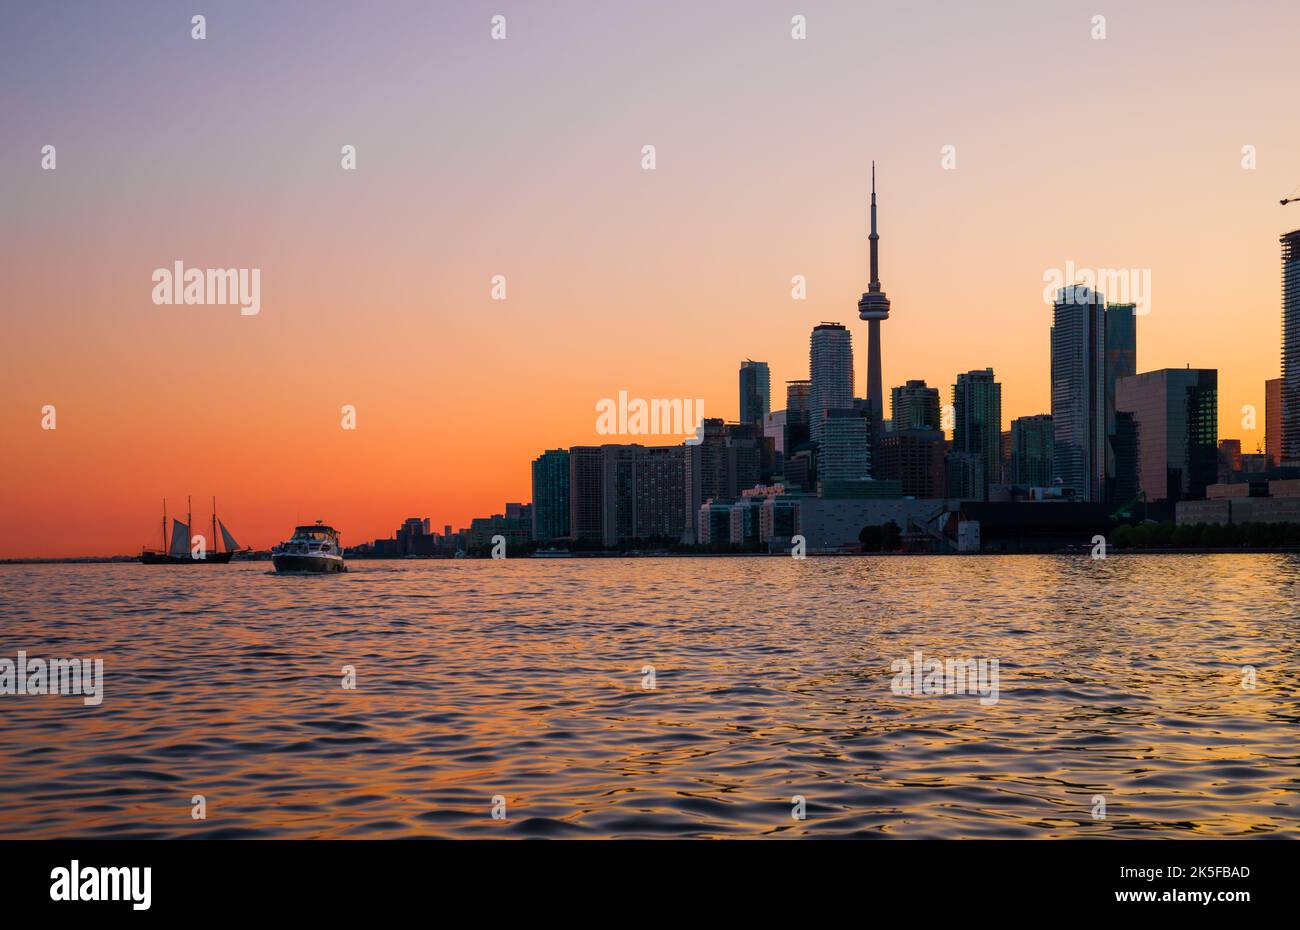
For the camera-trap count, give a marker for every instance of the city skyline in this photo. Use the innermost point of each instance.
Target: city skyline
(377, 287)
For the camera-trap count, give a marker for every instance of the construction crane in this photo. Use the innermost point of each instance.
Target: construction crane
(1287, 200)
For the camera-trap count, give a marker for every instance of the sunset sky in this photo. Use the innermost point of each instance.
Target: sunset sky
(523, 158)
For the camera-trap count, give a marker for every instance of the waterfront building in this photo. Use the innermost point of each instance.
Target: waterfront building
(1273, 420)
(914, 458)
(551, 495)
(1078, 339)
(830, 365)
(586, 469)
(1290, 451)
(1176, 414)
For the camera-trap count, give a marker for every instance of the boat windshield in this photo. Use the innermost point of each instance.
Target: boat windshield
(313, 533)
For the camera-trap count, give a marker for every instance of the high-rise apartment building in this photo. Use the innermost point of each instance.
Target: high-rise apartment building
(1273, 420)
(1078, 340)
(551, 495)
(914, 405)
(586, 489)
(755, 391)
(1031, 450)
(830, 368)
(977, 424)
(1291, 347)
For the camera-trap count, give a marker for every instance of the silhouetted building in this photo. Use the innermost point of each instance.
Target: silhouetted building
(1032, 439)
(977, 405)
(1273, 420)
(964, 476)
(914, 405)
(1177, 417)
(551, 495)
(1291, 347)
(1229, 459)
(830, 366)
(915, 459)
(1079, 391)
(705, 470)
(1121, 361)
(643, 493)
(755, 391)
(845, 449)
(586, 464)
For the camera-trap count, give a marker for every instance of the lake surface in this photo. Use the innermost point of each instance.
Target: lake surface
(524, 680)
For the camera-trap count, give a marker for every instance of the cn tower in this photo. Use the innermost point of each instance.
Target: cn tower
(874, 307)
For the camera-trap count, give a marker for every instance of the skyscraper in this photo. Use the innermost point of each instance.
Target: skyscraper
(1273, 420)
(585, 492)
(755, 391)
(874, 307)
(642, 493)
(914, 405)
(704, 472)
(551, 495)
(1177, 416)
(830, 369)
(1079, 391)
(1121, 361)
(796, 415)
(1291, 347)
(977, 427)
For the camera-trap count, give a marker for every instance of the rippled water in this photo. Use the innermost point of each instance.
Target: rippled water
(524, 679)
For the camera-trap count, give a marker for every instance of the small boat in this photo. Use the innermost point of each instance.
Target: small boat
(552, 554)
(312, 548)
(181, 551)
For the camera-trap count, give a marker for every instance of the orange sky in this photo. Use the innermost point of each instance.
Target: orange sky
(522, 158)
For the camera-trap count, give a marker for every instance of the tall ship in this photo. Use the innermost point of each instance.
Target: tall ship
(179, 551)
(312, 548)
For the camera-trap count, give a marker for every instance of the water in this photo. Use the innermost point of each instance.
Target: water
(523, 679)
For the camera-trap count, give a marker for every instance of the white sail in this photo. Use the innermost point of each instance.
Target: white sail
(180, 539)
(227, 539)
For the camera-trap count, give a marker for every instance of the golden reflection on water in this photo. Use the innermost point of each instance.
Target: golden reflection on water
(1121, 678)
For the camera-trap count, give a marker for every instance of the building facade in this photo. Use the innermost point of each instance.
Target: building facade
(755, 391)
(915, 406)
(1176, 414)
(977, 424)
(1032, 439)
(830, 367)
(551, 495)
(1078, 340)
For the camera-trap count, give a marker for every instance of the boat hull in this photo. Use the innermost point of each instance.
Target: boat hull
(162, 558)
(318, 564)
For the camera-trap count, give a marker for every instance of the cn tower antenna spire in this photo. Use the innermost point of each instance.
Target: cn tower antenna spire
(874, 286)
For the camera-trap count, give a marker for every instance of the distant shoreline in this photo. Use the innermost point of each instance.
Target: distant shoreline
(1083, 550)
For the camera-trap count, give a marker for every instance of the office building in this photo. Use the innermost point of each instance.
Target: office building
(977, 430)
(551, 495)
(755, 391)
(1176, 413)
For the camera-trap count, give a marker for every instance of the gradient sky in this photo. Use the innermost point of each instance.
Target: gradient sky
(522, 157)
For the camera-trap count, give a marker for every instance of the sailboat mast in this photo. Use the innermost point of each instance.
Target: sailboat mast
(189, 520)
(216, 546)
(164, 548)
